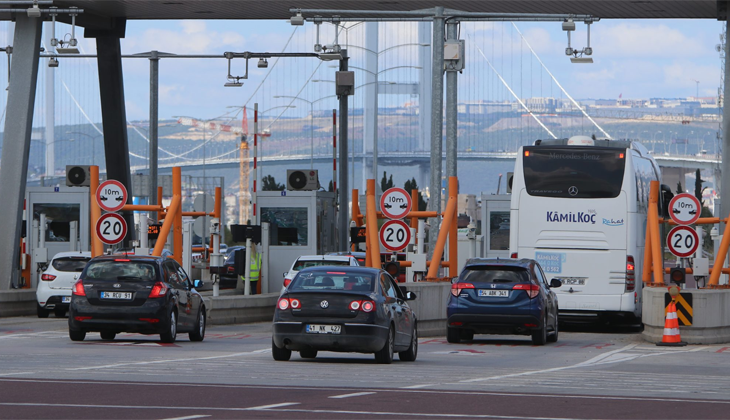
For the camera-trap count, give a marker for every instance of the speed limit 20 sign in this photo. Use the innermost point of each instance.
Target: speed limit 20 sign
(111, 228)
(395, 235)
(682, 241)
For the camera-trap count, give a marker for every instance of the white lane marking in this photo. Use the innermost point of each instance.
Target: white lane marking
(270, 406)
(22, 335)
(245, 353)
(17, 373)
(356, 394)
(417, 386)
(189, 417)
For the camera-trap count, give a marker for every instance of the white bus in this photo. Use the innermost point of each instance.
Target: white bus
(579, 207)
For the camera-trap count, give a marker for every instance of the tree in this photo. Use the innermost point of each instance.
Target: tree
(412, 185)
(331, 187)
(268, 183)
(698, 187)
(385, 183)
(680, 190)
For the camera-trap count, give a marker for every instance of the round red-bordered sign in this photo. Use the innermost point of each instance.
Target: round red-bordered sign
(111, 195)
(395, 235)
(111, 228)
(685, 209)
(683, 241)
(395, 203)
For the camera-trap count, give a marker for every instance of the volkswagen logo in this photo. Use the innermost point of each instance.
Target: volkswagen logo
(573, 190)
(117, 285)
(324, 304)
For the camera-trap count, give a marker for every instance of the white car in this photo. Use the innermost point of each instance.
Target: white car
(306, 261)
(54, 286)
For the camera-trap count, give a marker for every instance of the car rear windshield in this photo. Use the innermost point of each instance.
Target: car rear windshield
(574, 172)
(75, 264)
(488, 274)
(121, 270)
(332, 280)
(301, 265)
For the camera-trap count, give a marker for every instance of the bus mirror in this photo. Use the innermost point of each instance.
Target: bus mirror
(666, 196)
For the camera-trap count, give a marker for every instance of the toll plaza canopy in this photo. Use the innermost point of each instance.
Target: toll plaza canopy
(96, 11)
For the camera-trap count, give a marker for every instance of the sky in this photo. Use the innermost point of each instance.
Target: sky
(636, 59)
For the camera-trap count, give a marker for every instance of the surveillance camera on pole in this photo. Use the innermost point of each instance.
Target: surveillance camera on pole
(297, 20)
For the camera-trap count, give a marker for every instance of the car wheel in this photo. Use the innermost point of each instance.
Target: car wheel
(170, 335)
(76, 335)
(552, 338)
(539, 337)
(453, 335)
(384, 356)
(60, 313)
(199, 333)
(466, 335)
(42, 313)
(106, 335)
(308, 354)
(412, 352)
(280, 355)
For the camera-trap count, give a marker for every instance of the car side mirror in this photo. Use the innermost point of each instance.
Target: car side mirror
(454, 280)
(555, 283)
(197, 283)
(403, 290)
(285, 273)
(410, 296)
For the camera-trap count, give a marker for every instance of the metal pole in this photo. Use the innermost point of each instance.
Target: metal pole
(255, 160)
(370, 123)
(451, 114)
(50, 108)
(154, 106)
(343, 223)
(311, 135)
(725, 161)
(437, 82)
(424, 84)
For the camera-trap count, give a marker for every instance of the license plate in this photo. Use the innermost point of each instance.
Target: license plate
(323, 329)
(573, 281)
(65, 299)
(116, 295)
(493, 293)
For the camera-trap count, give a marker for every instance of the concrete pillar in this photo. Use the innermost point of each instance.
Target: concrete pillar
(424, 87)
(16, 143)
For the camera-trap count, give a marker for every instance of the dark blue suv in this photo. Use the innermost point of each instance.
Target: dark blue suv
(503, 296)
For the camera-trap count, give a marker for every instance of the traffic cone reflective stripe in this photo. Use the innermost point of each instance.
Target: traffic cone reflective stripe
(671, 328)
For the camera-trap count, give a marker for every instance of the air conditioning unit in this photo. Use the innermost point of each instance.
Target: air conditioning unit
(302, 180)
(78, 176)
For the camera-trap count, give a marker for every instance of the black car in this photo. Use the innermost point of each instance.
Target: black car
(228, 277)
(345, 309)
(139, 294)
(503, 296)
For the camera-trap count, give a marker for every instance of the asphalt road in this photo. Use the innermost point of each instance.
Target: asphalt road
(590, 373)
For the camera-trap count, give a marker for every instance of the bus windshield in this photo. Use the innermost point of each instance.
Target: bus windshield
(573, 172)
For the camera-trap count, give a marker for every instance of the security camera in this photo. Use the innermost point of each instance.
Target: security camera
(53, 62)
(569, 25)
(587, 50)
(263, 63)
(297, 20)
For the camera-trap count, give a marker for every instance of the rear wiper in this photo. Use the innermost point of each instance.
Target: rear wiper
(128, 278)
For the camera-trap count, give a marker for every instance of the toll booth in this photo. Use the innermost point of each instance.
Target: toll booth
(300, 223)
(65, 211)
(495, 225)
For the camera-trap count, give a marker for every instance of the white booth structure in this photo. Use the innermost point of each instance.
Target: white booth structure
(300, 223)
(495, 225)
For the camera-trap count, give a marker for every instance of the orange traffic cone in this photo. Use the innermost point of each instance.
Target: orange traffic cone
(671, 328)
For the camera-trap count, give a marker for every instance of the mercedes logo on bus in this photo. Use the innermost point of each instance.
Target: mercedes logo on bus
(573, 190)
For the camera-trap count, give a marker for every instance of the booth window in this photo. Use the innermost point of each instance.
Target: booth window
(288, 226)
(58, 217)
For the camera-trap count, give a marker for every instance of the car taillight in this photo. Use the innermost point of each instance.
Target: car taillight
(295, 303)
(230, 269)
(79, 289)
(456, 288)
(48, 277)
(532, 289)
(513, 255)
(630, 274)
(287, 282)
(363, 305)
(158, 290)
(283, 304)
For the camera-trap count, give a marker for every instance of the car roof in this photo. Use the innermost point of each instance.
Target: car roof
(324, 258)
(65, 254)
(131, 257)
(510, 262)
(345, 269)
